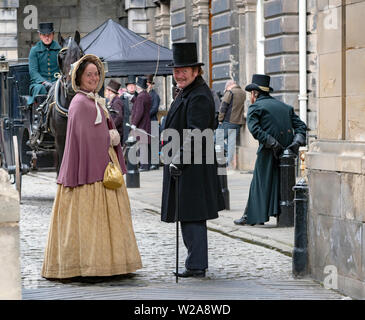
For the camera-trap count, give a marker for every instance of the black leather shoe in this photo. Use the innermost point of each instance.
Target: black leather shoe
(241, 221)
(154, 167)
(191, 273)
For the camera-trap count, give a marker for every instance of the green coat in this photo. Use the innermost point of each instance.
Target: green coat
(269, 116)
(42, 67)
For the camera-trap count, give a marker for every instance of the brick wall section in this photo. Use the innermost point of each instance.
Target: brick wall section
(282, 54)
(225, 43)
(282, 48)
(8, 29)
(181, 29)
(141, 17)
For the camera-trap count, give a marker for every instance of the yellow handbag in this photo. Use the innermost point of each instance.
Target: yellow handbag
(113, 177)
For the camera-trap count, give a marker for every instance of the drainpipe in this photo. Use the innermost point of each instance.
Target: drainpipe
(303, 97)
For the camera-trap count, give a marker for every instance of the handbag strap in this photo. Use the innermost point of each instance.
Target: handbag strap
(114, 158)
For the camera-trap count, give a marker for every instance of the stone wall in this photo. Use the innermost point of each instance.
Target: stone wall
(8, 29)
(225, 43)
(141, 17)
(282, 48)
(10, 279)
(336, 161)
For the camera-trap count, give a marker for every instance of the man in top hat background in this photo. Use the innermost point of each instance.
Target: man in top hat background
(276, 126)
(141, 119)
(115, 106)
(127, 96)
(43, 61)
(154, 109)
(199, 194)
(154, 96)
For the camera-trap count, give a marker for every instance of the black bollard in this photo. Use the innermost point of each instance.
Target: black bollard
(132, 169)
(222, 176)
(300, 252)
(287, 182)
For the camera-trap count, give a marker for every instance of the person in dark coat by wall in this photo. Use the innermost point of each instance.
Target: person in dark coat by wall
(115, 106)
(140, 119)
(200, 196)
(276, 126)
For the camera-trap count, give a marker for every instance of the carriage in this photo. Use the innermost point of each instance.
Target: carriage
(18, 123)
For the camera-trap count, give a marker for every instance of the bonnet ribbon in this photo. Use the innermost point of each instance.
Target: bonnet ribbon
(97, 99)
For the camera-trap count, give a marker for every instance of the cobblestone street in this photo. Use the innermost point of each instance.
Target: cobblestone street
(261, 273)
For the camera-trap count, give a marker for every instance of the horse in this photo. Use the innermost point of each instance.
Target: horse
(62, 93)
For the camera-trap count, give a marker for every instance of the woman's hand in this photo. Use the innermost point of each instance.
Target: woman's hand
(114, 137)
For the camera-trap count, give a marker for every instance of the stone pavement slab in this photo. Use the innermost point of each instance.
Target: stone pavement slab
(197, 289)
(281, 239)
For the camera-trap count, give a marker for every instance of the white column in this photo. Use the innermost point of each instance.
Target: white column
(303, 97)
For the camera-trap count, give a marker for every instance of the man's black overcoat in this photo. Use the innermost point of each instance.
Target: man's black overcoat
(200, 195)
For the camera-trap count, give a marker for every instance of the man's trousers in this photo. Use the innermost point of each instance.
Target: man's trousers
(196, 242)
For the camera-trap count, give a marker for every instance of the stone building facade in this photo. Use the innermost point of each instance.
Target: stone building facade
(336, 161)
(8, 29)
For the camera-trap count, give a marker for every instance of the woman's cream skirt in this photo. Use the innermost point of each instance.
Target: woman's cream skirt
(91, 233)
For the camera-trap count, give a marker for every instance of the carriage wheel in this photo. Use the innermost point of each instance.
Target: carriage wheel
(18, 175)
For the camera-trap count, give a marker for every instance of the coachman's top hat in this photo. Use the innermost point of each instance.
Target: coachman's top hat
(260, 82)
(142, 82)
(113, 86)
(184, 55)
(131, 80)
(45, 27)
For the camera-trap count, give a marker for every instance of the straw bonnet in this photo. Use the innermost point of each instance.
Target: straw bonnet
(97, 62)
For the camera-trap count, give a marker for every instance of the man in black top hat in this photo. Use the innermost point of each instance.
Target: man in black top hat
(115, 106)
(43, 61)
(127, 97)
(199, 194)
(276, 126)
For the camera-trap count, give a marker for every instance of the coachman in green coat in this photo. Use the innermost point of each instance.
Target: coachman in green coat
(43, 62)
(276, 126)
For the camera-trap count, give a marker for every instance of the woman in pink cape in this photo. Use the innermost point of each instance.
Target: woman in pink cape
(91, 231)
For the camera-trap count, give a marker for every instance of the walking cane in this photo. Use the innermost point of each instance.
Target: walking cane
(177, 225)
